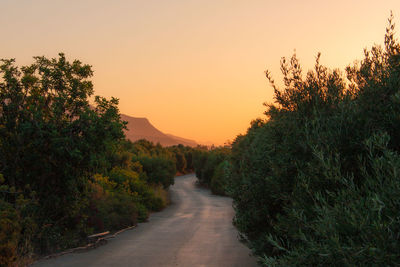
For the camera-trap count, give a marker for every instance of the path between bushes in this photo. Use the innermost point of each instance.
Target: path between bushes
(195, 230)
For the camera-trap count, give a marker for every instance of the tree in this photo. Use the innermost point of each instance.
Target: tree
(51, 137)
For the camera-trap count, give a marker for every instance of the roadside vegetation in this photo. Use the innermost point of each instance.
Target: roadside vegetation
(212, 168)
(66, 170)
(317, 182)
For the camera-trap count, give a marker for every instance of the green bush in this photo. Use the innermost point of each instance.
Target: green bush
(159, 170)
(317, 182)
(220, 179)
(121, 200)
(18, 228)
(111, 207)
(183, 158)
(10, 230)
(212, 168)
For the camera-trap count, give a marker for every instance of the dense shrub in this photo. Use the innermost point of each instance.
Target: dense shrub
(183, 158)
(18, 225)
(10, 229)
(212, 169)
(122, 199)
(112, 207)
(317, 182)
(159, 170)
(220, 179)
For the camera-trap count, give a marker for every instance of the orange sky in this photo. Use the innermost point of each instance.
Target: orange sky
(194, 68)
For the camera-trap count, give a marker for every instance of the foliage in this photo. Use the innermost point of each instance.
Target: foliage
(9, 233)
(135, 185)
(316, 183)
(111, 208)
(131, 188)
(157, 163)
(212, 169)
(183, 157)
(220, 179)
(159, 170)
(53, 140)
(149, 154)
(17, 223)
(67, 170)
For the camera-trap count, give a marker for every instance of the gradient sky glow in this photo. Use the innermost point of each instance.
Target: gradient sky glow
(194, 68)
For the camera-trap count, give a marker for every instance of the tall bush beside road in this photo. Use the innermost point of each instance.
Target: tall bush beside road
(316, 183)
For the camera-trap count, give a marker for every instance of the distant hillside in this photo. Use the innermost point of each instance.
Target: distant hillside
(141, 128)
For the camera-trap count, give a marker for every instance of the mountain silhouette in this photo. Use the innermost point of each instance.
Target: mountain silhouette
(141, 128)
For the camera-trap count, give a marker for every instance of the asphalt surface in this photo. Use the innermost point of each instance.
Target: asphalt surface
(195, 230)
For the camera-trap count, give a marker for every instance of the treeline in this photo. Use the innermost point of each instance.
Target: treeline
(66, 170)
(317, 183)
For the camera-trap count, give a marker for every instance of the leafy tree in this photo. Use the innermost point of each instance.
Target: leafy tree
(52, 138)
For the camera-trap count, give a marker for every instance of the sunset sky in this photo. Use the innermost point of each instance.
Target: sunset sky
(195, 69)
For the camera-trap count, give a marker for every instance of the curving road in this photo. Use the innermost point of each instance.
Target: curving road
(195, 230)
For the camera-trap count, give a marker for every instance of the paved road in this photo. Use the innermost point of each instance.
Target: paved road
(195, 230)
